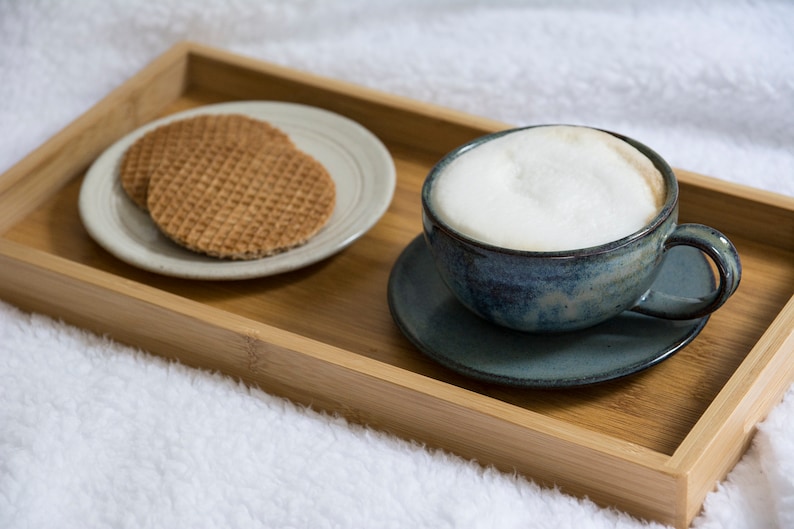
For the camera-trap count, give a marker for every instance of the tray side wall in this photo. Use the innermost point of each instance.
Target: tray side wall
(69, 152)
(393, 118)
(720, 438)
(607, 471)
(725, 205)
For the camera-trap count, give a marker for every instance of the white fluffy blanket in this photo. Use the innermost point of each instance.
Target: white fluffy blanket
(93, 434)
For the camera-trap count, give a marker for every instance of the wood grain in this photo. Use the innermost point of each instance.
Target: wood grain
(653, 444)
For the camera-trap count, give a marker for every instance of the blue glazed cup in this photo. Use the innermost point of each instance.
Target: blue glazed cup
(561, 291)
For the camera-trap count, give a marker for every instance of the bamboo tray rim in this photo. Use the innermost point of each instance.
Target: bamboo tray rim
(211, 316)
(762, 365)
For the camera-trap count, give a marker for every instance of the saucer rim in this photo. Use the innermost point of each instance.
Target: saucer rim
(698, 324)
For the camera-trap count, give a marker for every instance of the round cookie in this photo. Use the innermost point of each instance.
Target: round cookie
(168, 141)
(235, 202)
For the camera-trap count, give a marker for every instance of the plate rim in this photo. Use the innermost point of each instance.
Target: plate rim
(204, 268)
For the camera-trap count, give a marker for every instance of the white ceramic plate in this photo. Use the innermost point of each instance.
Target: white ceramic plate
(358, 162)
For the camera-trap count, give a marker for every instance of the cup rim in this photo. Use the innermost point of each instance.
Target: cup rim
(670, 204)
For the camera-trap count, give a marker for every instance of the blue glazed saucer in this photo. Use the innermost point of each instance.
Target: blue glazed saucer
(444, 330)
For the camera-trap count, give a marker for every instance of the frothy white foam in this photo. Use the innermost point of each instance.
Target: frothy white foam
(548, 189)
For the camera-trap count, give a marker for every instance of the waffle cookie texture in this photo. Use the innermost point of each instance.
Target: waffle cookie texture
(224, 194)
(162, 144)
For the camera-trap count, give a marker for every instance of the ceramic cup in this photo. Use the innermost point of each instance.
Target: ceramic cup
(559, 291)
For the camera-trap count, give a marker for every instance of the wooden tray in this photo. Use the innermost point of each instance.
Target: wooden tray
(653, 444)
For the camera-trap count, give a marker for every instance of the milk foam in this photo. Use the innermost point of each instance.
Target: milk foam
(548, 189)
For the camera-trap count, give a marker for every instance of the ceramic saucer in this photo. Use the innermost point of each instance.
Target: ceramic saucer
(443, 329)
(356, 159)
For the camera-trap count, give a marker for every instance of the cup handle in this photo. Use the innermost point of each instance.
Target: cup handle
(715, 245)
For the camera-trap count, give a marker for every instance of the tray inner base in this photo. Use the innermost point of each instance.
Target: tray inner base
(342, 302)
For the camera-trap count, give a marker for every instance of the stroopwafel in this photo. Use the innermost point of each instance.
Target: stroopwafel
(237, 202)
(171, 140)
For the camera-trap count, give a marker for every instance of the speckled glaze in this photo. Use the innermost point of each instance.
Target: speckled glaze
(570, 290)
(439, 326)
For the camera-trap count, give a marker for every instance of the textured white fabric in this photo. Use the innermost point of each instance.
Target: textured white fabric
(93, 434)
